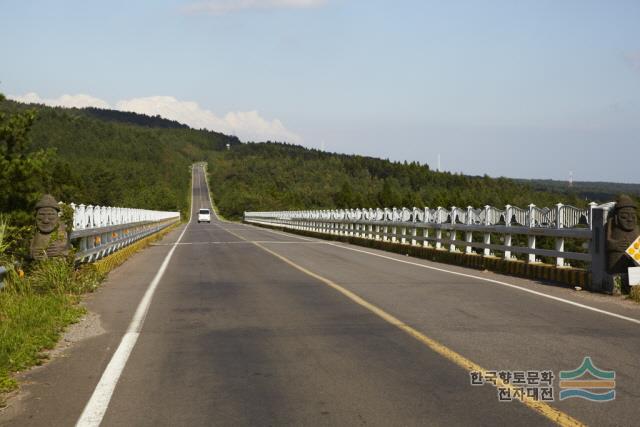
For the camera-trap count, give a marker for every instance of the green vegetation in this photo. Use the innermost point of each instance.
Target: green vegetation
(272, 176)
(95, 157)
(598, 191)
(35, 309)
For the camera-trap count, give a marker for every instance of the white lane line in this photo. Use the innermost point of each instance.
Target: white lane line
(496, 282)
(282, 233)
(484, 279)
(97, 405)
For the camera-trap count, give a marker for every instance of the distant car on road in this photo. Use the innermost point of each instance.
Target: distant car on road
(204, 215)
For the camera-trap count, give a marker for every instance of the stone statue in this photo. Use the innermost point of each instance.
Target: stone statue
(51, 239)
(622, 230)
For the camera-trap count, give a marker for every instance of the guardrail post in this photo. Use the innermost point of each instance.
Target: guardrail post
(559, 240)
(453, 235)
(438, 229)
(414, 233)
(507, 237)
(487, 236)
(468, 235)
(403, 232)
(597, 249)
(531, 238)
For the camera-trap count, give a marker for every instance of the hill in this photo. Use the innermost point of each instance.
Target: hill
(126, 159)
(114, 158)
(274, 176)
(598, 191)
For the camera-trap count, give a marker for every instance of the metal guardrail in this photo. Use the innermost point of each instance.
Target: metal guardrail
(98, 243)
(456, 229)
(99, 231)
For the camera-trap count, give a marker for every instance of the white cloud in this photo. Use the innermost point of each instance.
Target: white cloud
(219, 7)
(246, 125)
(77, 101)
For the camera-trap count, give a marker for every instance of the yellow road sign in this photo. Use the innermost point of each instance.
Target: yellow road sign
(634, 251)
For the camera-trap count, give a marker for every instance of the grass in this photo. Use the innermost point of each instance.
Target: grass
(29, 324)
(34, 311)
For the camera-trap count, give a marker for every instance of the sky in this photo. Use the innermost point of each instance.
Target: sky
(524, 89)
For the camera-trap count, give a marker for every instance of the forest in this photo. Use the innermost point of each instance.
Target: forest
(593, 190)
(106, 157)
(275, 176)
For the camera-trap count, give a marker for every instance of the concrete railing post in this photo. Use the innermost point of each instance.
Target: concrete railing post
(507, 237)
(531, 239)
(597, 249)
(559, 240)
(487, 236)
(453, 234)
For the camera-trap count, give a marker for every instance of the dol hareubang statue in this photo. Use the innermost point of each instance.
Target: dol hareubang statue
(622, 230)
(51, 239)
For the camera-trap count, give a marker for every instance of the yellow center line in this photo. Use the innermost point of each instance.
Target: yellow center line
(541, 408)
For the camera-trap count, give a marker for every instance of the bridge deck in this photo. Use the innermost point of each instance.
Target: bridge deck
(237, 335)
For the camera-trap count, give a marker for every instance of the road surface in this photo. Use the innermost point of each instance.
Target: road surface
(248, 326)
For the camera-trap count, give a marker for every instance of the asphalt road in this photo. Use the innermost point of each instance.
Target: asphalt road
(253, 327)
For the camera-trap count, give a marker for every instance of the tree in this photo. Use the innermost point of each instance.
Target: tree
(24, 173)
(344, 198)
(390, 195)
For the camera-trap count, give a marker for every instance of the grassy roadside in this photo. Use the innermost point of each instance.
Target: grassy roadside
(36, 309)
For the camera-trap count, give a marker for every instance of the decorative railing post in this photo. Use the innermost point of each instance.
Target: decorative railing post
(487, 236)
(453, 235)
(507, 237)
(394, 229)
(425, 230)
(597, 248)
(532, 238)
(438, 229)
(468, 235)
(78, 217)
(559, 240)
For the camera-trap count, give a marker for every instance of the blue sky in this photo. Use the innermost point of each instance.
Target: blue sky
(530, 89)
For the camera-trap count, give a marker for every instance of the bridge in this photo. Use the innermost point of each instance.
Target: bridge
(235, 324)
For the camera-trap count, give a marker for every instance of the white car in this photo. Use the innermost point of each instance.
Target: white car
(204, 215)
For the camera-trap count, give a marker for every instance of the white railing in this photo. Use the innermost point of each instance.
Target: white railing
(439, 228)
(99, 231)
(88, 217)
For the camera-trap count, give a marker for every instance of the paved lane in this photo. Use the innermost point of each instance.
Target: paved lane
(235, 335)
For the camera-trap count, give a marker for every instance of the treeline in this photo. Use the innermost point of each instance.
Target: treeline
(117, 158)
(133, 118)
(274, 176)
(598, 191)
(79, 157)
(114, 162)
